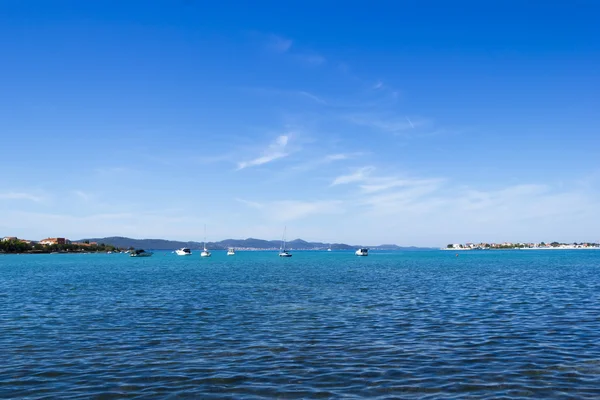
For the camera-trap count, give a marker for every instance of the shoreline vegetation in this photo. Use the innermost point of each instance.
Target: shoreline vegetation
(523, 246)
(26, 247)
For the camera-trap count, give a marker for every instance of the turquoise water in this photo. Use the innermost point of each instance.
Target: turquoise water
(490, 324)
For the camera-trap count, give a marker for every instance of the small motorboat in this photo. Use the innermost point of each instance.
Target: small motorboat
(184, 251)
(362, 252)
(140, 253)
(231, 251)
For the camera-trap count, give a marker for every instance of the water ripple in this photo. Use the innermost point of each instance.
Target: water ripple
(398, 325)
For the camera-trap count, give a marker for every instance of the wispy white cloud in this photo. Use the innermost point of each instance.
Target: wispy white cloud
(278, 43)
(312, 59)
(359, 175)
(390, 125)
(378, 85)
(312, 97)
(438, 211)
(406, 196)
(289, 210)
(274, 151)
(384, 192)
(272, 156)
(328, 159)
(283, 45)
(589, 180)
(383, 184)
(21, 196)
(444, 213)
(82, 195)
(340, 156)
(286, 93)
(249, 203)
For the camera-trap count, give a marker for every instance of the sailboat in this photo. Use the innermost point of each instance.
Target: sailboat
(205, 252)
(282, 251)
(329, 249)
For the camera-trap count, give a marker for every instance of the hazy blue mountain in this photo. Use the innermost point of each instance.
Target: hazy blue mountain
(250, 243)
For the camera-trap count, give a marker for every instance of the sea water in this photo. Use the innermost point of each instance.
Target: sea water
(486, 324)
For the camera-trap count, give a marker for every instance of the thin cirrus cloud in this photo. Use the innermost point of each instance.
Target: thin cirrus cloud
(383, 192)
(312, 97)
(252, 204)
(312, 59)
(264, 91)
(20, 196)
(429, 202)
(275, 151)
(342, 156)
(402, 198)
(82, 195)
(390, 125)
(278, 44)
(383, 184)
(282, 45)
(290, 210)
(359, 175)
(328, 159)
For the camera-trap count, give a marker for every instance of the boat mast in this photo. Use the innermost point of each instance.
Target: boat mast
(284, 229)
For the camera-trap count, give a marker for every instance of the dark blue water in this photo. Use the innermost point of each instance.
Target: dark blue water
(520, 324)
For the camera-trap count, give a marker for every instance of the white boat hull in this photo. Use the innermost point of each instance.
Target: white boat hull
(205, 254)
(362, 252)
(182, 253)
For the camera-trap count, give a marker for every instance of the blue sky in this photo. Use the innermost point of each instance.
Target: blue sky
(416, 123)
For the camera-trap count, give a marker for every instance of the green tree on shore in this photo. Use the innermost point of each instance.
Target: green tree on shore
(18, 246)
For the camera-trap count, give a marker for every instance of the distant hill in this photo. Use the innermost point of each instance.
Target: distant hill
(250, 243)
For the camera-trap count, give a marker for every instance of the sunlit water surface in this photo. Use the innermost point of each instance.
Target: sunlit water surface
(505, 324)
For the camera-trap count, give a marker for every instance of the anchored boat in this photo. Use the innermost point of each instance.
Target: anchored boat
(183, 252)
(362, 252)
(140, 253)
(282, 251)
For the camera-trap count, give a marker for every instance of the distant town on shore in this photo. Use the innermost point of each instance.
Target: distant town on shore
(524, 246)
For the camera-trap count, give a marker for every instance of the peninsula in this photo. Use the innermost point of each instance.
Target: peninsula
(522, 246)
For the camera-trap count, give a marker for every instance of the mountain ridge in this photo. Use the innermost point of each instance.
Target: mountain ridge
(249, 243)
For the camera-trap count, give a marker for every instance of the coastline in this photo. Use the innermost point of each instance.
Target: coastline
(525, 248)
